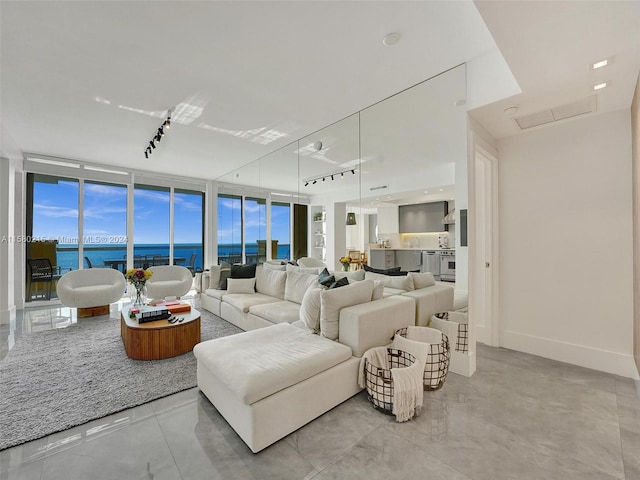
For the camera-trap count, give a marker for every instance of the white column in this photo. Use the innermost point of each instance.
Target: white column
(7, 240)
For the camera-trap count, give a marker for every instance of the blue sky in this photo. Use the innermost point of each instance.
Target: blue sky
(55, 213)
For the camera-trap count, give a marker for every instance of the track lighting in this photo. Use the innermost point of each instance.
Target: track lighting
(314, 180)
(158, 135)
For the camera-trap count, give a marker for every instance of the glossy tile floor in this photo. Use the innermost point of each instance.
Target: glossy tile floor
(519, 417)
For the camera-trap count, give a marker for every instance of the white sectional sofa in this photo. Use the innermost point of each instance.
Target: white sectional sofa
(278, 296)
(268, 382)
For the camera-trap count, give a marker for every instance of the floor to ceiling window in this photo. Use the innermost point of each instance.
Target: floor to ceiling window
(255, 229)
(229, 228)
(51, 232)
(242, 229)
(151, 225)
(188, 228)
(104, 232)
(281, 230)
(80, 219)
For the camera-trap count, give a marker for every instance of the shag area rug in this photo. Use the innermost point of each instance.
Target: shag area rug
(57, 379)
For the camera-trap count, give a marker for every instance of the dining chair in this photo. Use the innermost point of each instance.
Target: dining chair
(40, 274)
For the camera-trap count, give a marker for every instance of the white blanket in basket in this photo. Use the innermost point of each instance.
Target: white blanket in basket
(407, 381)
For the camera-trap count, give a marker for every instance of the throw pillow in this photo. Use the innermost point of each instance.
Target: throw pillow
(325, 278)
(243, 271)
(397, 282)
(340, 283)
(332, 301)
(378, 290)
(296, 286)
(271, 282)
(422, 280)
(310, 308)
(356, 275)
(241, 285)
(218, 275)
(296, 268)
(367, 268)
(274, 266)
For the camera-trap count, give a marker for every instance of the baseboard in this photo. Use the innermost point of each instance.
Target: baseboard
(463, 363)
(482, 334)
(7, 315)
(596, 359)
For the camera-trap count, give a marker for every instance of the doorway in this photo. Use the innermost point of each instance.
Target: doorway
(486, 241)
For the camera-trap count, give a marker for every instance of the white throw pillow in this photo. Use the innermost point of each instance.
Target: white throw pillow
(334, 300)
(218, 277)
(241, 285)
(310, 307)
(274, 266)
(271, 282)
(298, 269)
(422, 280)
(397, 282)
(297, 284)
(356, 275)
(378, 290)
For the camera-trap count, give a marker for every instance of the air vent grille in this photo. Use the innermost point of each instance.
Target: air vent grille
(562, 112)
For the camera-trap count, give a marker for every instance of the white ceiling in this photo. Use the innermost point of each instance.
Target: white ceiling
(93, 80)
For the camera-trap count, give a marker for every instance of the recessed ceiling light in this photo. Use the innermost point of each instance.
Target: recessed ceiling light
(600, 64)
(426, 191)
(442, 189)
(391, 39)
(600, 86)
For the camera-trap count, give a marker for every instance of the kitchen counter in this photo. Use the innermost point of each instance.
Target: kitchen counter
(419, 249)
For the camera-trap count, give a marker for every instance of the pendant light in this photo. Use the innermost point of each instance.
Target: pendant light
(351, 218)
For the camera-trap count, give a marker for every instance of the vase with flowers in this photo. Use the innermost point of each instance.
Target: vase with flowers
(138, 278)
(346, 263)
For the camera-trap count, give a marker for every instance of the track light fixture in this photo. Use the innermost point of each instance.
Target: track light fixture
(340, 174)
(158, 135)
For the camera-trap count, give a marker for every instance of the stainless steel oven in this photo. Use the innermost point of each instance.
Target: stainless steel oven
(448, 265)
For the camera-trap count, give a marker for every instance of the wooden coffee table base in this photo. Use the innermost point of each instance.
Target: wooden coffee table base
(160, 339)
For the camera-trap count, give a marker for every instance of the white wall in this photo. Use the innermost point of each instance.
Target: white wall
(566, 242)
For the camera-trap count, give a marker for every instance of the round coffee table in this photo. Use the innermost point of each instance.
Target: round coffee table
(159, 339)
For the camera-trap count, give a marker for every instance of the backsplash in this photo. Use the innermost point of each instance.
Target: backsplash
(423, 240)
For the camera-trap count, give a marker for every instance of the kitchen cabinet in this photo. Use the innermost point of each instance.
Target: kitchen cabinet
(408, 260)
(423, 217)
(382, 258)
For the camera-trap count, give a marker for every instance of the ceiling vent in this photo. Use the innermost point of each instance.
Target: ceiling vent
(562, 112)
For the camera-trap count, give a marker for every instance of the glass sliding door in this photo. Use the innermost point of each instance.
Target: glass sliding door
(255, 229)
(281, 230)
(104, 234)
(229, 228)
(188, 229)
(151, 209)
(51, 230)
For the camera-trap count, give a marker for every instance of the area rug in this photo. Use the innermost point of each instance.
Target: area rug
(57, 379)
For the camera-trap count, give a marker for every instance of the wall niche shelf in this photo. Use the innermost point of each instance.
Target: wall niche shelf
(318, 228)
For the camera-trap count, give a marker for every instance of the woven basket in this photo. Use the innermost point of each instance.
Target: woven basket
(438, 358)
(378, 380)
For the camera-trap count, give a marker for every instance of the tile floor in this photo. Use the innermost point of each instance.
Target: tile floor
(519, 417)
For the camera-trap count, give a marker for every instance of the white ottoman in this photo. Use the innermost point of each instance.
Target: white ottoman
(269, 382)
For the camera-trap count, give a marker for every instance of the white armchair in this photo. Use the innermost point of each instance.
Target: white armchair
(169, 281)
(91, 291)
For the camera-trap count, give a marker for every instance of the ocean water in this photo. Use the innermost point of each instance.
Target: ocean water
(67, 254)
